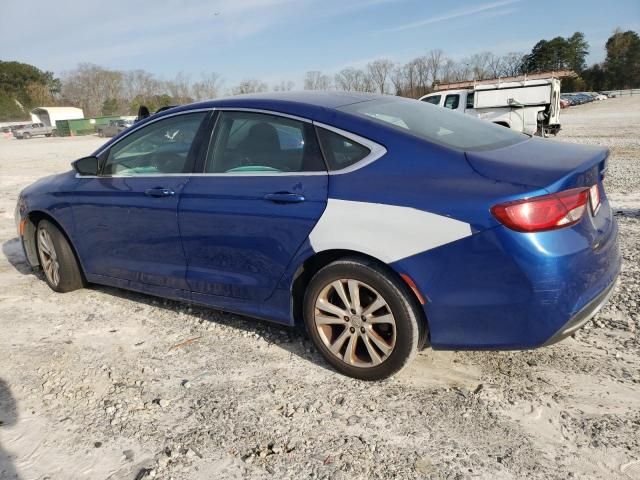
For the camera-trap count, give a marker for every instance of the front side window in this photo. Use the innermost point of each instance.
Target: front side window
(340, 152)
(161, 147)
(434, 99)
(248, 142)
(452, 101)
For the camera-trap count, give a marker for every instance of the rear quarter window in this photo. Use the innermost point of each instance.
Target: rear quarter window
(340, 152)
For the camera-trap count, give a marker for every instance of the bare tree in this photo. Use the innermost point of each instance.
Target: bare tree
(208, 87)
(346, 79)
(379, 71)
(478, 65)
(423, 76)
(512, 64)
(435, 59)
(284, 86)
(316, 80)
(249, 86)
(494, 65)
(397, 79)
(180, 88)
(89, 86)
(139, 83)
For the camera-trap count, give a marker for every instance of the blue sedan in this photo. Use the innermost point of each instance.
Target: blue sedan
(384, 224)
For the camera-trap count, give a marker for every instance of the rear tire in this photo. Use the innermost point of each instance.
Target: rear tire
(26, 136)
(59, 265)
(362, 319)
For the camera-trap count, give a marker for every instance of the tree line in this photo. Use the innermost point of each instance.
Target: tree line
(102, 91)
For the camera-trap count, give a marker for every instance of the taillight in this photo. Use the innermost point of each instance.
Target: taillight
(546, 212)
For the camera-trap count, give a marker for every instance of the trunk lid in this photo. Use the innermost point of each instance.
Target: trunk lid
(542, 163)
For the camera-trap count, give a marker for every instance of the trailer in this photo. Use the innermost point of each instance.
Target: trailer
(50, 115)
(528, 106)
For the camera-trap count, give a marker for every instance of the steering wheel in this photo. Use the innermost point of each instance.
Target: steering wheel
(167, 162)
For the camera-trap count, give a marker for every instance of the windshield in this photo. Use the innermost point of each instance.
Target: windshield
(435, 124)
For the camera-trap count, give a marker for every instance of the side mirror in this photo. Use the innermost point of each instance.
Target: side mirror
(86, 166)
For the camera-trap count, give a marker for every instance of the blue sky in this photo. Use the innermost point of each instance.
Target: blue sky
(281, 39)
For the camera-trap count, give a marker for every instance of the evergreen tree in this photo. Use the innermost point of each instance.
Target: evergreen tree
(622, 64)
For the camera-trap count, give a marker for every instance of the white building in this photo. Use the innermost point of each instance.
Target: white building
(49, 115)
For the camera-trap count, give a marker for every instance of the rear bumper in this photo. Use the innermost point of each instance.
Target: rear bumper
(505, 290)
(581, 318)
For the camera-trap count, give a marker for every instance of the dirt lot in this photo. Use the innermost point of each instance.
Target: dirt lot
(103, 383)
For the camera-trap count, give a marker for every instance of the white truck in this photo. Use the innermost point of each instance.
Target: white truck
(32, 130)
(528, 106)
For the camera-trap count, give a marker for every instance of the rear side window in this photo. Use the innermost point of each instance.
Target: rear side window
(470, 97)
(452, 101)
(434, 99)
(340, 152)
(437, 125)
(249, 143)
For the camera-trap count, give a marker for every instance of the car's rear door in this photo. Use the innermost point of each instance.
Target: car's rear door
(126, 217)
(262, 190)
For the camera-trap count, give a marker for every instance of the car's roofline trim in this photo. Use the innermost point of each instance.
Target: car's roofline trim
(261, 110)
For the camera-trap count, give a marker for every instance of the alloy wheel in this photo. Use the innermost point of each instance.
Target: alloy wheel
(48, 257)
(355, 323)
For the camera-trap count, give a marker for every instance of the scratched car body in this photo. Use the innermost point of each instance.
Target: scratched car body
(384, 224)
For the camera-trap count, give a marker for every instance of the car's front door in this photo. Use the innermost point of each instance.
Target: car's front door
(126, 217)
(262, 190)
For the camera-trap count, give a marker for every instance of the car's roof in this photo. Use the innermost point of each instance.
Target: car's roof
(310, 104)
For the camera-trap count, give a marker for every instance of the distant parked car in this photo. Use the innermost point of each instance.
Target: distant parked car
(384, 224)
(114, 128)
(32, 130)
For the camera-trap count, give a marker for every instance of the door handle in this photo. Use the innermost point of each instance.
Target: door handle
(284, 197)
(159, 192)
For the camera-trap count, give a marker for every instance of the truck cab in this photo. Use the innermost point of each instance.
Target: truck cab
(531, 107)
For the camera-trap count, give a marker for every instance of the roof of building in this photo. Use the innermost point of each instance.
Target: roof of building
(58, 110)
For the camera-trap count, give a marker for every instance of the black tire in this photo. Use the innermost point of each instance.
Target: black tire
(47, 134)
(69, 275)
(399, 302)
(26, 136)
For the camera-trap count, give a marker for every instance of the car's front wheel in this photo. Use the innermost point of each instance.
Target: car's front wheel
(61, 270)
(362, 319)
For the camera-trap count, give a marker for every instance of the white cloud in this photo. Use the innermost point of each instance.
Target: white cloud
(458, 13)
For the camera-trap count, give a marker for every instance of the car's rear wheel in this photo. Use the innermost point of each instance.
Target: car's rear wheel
(26, 136)
(61, 270)
(361, 319)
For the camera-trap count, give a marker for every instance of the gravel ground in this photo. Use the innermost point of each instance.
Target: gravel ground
(103, 383)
